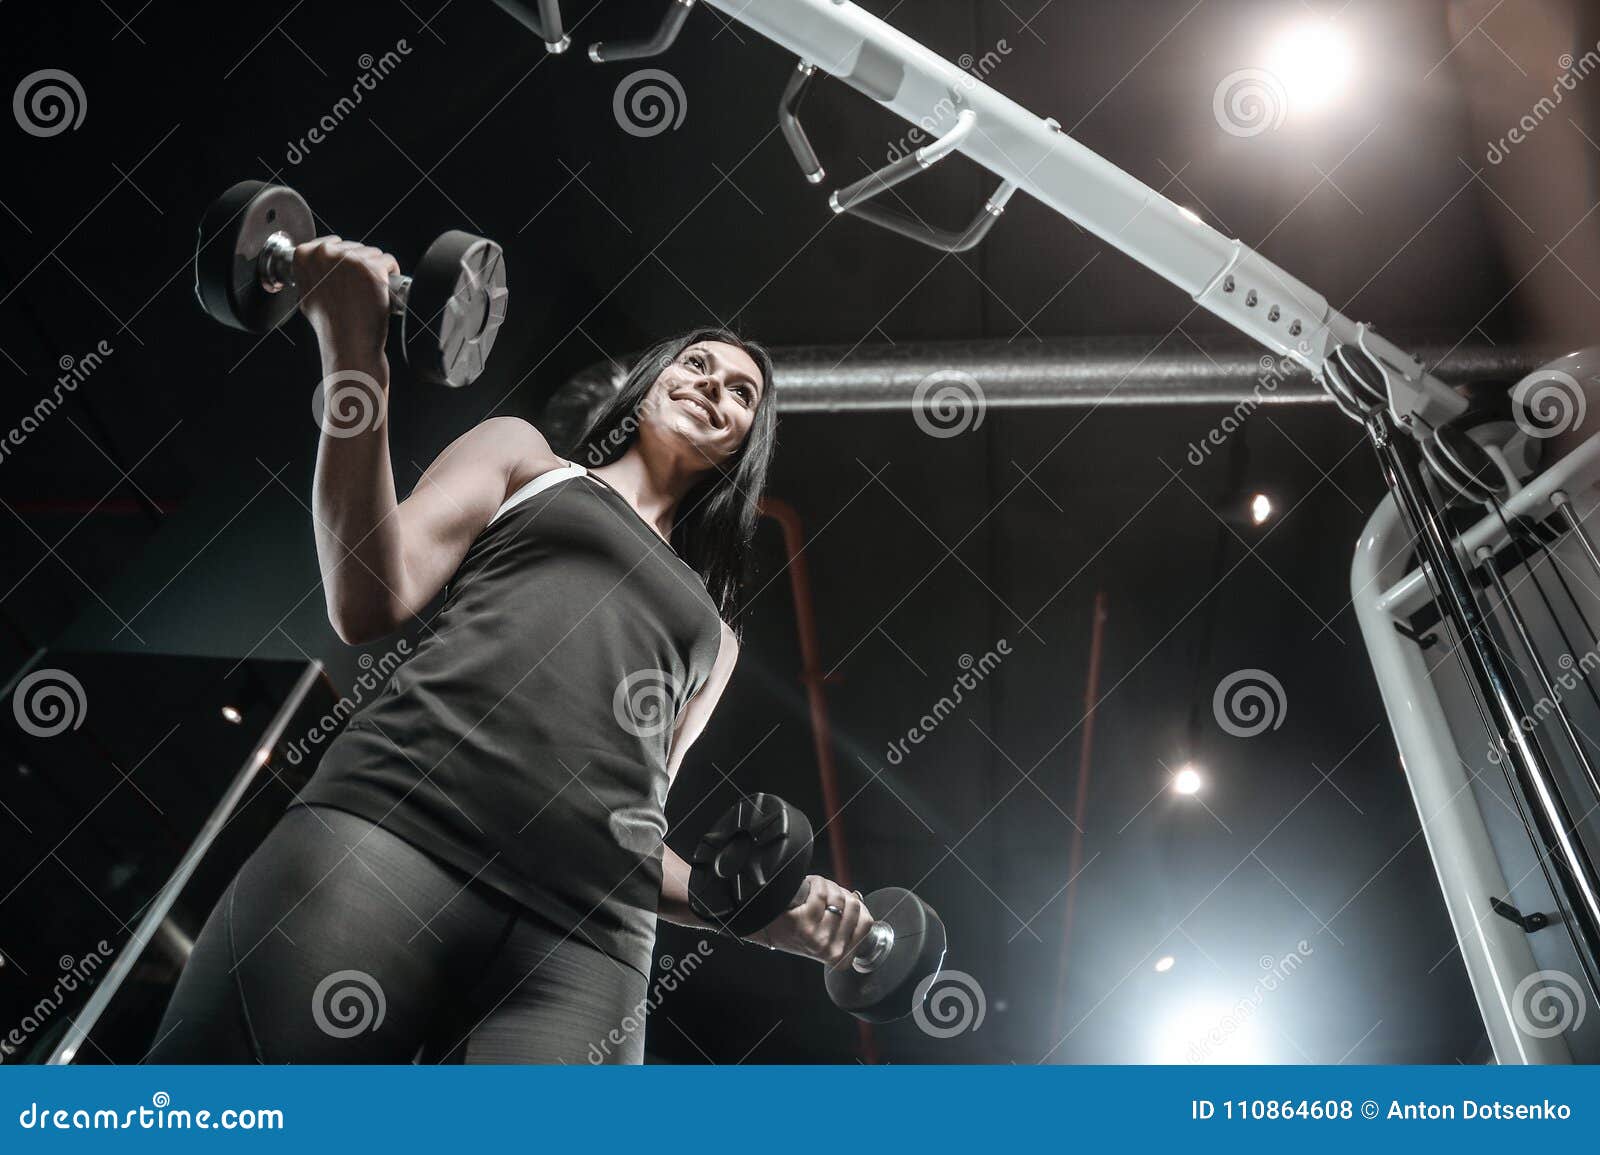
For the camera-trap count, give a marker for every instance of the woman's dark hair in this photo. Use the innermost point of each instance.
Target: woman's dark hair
(716, 520)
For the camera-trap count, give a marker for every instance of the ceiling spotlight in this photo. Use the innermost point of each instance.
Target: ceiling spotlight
(1260, 508)
(1187, 780)
(1315, 64)
(231, 713)
(1164, 964)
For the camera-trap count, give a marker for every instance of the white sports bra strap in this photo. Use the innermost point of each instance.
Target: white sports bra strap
(542, 482)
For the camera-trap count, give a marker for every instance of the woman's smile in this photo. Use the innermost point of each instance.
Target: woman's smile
(702, 407)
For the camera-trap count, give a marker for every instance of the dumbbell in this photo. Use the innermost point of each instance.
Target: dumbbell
(450, 308)
(751, 866)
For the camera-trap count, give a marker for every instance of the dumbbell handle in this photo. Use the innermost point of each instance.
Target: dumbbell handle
(873, 949)
(275, 266)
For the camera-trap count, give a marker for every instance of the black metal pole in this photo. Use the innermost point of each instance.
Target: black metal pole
(1569, 867)
(1514, 615)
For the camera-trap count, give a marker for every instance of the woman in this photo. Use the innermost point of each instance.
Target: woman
(475, 871)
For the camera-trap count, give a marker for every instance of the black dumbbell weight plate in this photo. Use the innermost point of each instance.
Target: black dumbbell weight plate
(747, 869)
(227, 277)
(454, 309)
(885, 993)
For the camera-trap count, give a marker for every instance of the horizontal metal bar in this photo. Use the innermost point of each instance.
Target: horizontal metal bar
(1059, 372)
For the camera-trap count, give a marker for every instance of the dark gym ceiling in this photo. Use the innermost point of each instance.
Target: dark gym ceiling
(166, 495)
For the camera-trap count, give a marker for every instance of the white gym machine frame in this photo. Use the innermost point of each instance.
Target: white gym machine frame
(1428, 459)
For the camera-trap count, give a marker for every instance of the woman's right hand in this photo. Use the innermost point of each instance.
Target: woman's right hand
(828, 926)
(344, 293)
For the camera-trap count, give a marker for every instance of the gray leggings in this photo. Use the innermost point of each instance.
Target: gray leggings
(316, 954)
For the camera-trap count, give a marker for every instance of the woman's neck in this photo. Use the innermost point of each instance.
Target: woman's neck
(653, 493)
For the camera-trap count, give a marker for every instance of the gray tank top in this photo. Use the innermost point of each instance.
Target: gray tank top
(525, 742)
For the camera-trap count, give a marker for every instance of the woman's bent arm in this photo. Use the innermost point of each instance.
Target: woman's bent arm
(383, 560)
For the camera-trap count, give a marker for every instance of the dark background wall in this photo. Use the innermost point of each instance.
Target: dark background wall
(164, 506)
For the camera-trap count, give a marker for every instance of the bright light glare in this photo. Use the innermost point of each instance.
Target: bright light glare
(1260, 508)
(1210, 1031)
(1187, 781)
(1185, 210)
(1164, 964)
(1315, 64)
(231, 713)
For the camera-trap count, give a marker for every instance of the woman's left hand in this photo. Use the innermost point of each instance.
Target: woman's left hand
(827, 926)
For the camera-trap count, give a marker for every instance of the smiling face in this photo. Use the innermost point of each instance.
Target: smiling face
(703, 404)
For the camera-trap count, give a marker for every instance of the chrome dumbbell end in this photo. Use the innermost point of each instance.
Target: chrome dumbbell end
(275, 265)
(874, 948)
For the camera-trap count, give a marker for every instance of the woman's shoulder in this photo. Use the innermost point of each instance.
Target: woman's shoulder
(521, 445)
